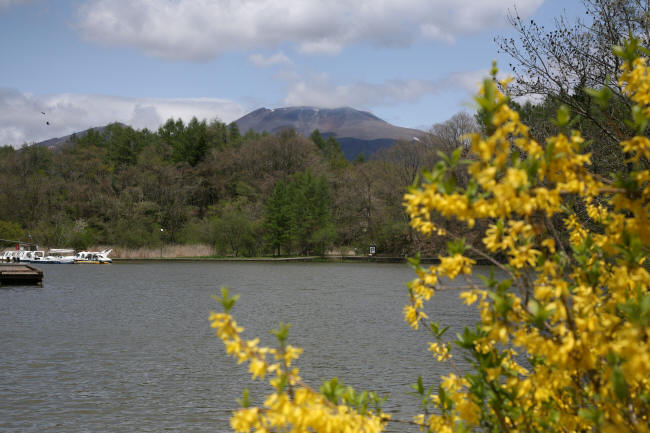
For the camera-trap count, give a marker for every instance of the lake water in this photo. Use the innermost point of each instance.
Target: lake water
(128, 347)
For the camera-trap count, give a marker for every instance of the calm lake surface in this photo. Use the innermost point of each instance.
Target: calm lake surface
(128, 347)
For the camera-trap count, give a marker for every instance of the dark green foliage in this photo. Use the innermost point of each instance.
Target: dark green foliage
(123, 144)
(188, 144)
(330, 148)
(234, 136)
(310, 210)
(298, 216)
(318, 140)
(10, 231)
(277, 220)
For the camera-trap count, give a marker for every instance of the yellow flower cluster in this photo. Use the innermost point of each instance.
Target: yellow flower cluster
(467, 412)
(636, 83)
(578, 312)
(307, 411)
(440, 351)
(293, 406)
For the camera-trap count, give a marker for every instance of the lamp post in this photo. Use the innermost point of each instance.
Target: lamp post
(161, 241)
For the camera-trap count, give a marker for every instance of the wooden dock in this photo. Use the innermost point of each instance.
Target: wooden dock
(11, 275)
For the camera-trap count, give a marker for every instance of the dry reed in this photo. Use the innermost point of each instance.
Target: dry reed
(168, 251)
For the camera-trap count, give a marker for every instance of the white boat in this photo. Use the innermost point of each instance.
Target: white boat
(93, 257)
(31, 256)
(38, 256)
(59, 256)
(11, 256)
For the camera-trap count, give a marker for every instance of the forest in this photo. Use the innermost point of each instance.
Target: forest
(206, 183)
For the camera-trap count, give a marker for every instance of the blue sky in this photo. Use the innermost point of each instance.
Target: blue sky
(413, 63)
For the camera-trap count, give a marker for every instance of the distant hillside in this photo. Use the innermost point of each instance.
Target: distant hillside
(356, 131)
(57, 142)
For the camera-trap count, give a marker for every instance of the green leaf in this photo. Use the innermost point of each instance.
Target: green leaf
(244, 401)
(602, 96)
(455, 156)
(630, 49)
(444, 157)
(332, 390)
(593, 414)
(563, 117)
(281, 384)
(456, 247)
(283, 333)
(539, 313)
(619, 384)
(435, 329)
(226, 301)
(639, 121)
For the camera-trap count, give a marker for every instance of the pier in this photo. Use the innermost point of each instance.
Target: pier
(20, 275)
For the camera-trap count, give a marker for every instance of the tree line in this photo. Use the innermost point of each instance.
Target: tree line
(205, 182)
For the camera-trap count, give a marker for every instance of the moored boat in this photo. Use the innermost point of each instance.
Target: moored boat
(31, 256)
(59, 256)
(93, 257)
(10, 256)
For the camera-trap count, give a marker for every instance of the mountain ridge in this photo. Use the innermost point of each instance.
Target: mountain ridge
(356, 131)
(340, 122)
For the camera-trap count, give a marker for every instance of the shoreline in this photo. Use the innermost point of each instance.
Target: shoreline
(309, 259)
(314, 259)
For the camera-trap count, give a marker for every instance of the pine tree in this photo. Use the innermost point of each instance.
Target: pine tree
(277, 220)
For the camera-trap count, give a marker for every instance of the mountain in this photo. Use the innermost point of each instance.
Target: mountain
(357, 131)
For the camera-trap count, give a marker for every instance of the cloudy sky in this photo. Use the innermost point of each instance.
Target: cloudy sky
(88, 63)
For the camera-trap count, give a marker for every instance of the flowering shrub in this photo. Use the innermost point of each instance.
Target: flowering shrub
(563, 342)
(294, 406)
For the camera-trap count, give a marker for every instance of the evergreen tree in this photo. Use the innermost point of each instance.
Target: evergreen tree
(318, 140)
(277, 220)
(299, 215)
(196, 141)
(234, 136)
(311, 212)
(173, 133)
(123, 144)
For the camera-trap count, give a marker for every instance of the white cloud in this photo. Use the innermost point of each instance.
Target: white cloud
(202, 29)
(278, 58)
(432, 31)
(472, 80)
(21, 118)
(318, 90)
(469, 80)
(322, 46)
